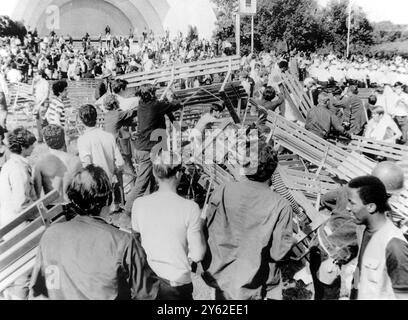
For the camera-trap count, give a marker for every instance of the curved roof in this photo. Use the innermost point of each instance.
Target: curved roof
(137, 13)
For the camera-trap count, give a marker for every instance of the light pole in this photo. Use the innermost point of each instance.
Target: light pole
(349, 27)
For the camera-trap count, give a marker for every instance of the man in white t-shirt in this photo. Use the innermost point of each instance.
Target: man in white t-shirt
(171, 230)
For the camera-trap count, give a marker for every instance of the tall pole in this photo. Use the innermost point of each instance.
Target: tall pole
(238, 33)
(349, 29)
(252, 34)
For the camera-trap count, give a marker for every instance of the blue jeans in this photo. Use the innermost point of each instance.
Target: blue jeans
(145, 181)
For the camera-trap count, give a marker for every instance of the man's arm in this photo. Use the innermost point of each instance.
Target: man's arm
(119, 162)
(142, 281)
(282, 237)
(38, 183)
(335, 123)
(127, 118)
(397, 267)
(195, 236)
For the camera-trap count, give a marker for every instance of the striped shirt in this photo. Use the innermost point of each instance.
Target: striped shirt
(56, 112)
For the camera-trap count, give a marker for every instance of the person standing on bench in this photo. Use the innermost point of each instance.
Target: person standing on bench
(16, 181)
(151, 121)
(86, 258)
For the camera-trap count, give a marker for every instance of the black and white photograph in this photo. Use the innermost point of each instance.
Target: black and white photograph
(202, 154)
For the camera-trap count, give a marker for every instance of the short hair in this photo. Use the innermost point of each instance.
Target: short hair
(88, 115)
(372, 100)
(166, 165)
(119, 85)
(217, 106)
(147, 93)
(267, 163)
(20, 138)
(111, 102)
(378, 110)
(371, 190)
(54, 136)
(337, 91)
(323, 97)
(58, 87)
(269, 94)
(353, 89)
(90, 191)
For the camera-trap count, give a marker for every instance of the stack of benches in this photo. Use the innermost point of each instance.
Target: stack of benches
(183, 71)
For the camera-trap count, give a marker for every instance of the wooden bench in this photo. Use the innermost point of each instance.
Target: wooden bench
(183, 71)
(346, 165)
(378, 148)
(21, 238)
(295, 94)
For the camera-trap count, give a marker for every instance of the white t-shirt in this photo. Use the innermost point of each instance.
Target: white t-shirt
(166, 222)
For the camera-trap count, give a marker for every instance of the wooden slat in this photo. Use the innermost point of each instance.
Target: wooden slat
(30, 213)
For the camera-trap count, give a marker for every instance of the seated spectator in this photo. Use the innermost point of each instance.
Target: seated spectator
(170, 229)
(382, 127)
(110, 264)
(16, 181)
(321, 121)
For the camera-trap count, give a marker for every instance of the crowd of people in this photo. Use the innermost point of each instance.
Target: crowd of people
(247, 230)
(63, 57)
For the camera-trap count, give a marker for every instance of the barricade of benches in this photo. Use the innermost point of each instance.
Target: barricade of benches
(183, 71)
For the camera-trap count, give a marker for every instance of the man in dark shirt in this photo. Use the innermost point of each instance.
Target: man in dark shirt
(321, 121)
(250, 230)
(354, 115)
(270, 102)
(88, 259)
(151, 128)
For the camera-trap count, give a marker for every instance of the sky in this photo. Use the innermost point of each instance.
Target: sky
(382, 10)
(377, 10)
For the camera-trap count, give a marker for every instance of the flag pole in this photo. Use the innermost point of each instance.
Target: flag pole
(349, 29)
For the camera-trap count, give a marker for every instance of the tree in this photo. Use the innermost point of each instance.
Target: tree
(335, 22)
(10, 28)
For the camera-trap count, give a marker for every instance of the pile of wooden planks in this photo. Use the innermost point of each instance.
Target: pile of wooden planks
(183, 71)
(346, 165)
(21, 237)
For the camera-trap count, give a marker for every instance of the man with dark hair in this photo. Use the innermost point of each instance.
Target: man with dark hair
(55, 169)
(99, 148)
(370, 106)
(270, 101)
(321, 121)
(110, 264)
(151, 126)
(16, 182)
(354, 117)
(249, 233)
(56, 111)
(170, 229)
(381, 272)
